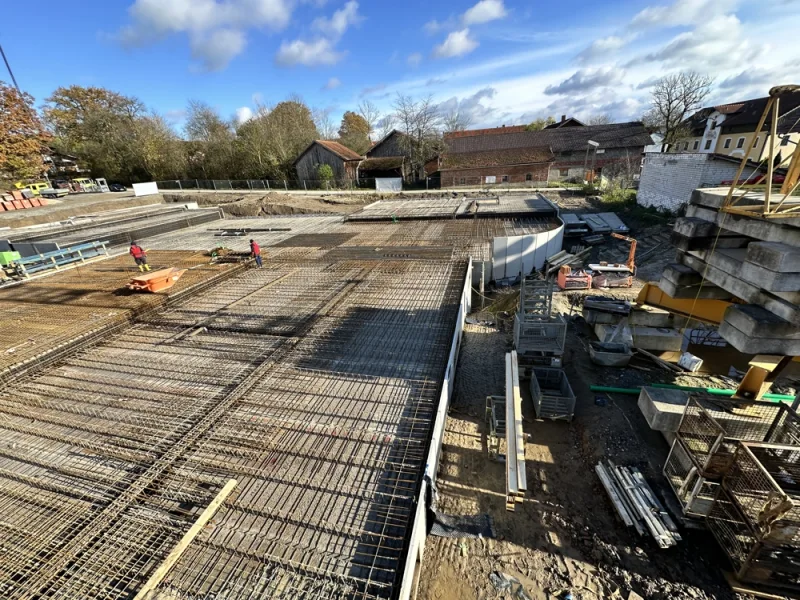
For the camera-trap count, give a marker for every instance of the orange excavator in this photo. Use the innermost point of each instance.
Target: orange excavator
(605, 275)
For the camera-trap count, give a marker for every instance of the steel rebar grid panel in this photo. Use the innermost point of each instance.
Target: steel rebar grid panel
(328, 460)
(76, 437)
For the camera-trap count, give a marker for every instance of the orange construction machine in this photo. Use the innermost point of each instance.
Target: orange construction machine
(573, 280)
(605, 275)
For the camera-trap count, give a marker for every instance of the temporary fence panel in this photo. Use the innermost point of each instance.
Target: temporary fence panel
(145, 189)
(389, 184)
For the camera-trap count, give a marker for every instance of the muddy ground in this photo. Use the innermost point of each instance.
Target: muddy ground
(249, 204)
(565, 536)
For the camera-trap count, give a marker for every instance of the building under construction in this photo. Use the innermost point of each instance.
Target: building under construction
(258, 433)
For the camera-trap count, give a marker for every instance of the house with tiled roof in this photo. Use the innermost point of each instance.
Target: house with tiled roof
(343, 161)
(729, 129)
(520, 156)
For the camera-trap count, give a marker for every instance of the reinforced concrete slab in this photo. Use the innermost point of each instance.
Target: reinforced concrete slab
(662, 408)
(741, 289)
(681, 275)
(695, 228)
(753, 329)
(761, 229)
(772, 281)
(774, 256)
(645, 316)
(706, 291)
(661, 339)
(723, 240)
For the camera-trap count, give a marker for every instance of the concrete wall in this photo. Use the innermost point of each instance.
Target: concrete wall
(521, 254)
(668, 180)
(419, 530)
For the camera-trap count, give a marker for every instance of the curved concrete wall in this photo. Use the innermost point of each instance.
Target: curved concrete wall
(521, 254)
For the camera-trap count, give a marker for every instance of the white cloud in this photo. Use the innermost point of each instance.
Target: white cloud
(216, 50)
(310, 54)
(414, 59)
(601, 48)
(682, 12)
(585, 80)
(332, 83)
(471, 107)
(432, 27)
(458, 43)
(343, 18)
(721, 42)
(243, 113)
(216, 30)
(485, 11)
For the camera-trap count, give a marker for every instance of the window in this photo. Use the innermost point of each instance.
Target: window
(755, 144)
(685, 145)
(563, 172)
(528, 177)
(740, 143)
(696, 145)
(708, 145)
(728, 142)
(505, 178)
(463, 181)
(785, 141)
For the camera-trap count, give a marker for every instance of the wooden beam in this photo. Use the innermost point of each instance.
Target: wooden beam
(742, 165)
(773, 133)
(148, 589)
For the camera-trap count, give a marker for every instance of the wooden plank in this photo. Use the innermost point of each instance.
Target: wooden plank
(767, 592)
(148, 589)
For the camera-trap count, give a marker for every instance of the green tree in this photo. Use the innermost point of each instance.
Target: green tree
(354, 132)
(213, 153)
(23, 136)
(324, 172)
(539, 124)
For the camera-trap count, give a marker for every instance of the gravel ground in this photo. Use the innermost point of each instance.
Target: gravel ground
(565, 535)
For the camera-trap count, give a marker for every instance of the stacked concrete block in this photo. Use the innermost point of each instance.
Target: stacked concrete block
(644, 315)
(757, 260)
(655, 339)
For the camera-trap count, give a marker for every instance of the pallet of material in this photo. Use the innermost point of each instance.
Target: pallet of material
(596, 224)
(614, 222)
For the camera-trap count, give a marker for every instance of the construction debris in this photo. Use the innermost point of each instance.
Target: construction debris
(636, 504)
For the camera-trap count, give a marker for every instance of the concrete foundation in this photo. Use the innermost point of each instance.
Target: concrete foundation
(646, 338)
(663, 408)
(754, 330)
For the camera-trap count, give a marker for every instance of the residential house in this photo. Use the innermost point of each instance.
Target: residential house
(59, 163)
(556, 154)
(565, 122)
(343, 161)
(729, 129)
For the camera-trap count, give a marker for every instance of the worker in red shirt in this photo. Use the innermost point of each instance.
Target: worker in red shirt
(139, 255)
(255, 252)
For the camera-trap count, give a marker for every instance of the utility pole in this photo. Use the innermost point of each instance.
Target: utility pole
(10, 72)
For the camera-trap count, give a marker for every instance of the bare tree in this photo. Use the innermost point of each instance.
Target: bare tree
(674, 98)
(420, 121)
(325, 125)
(599, 119)
(370, 113)
(456, 120)
(384, 126)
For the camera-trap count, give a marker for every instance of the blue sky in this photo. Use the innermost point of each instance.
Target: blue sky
(500, 61)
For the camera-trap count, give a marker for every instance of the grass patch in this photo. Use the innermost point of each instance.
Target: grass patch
(624, 201)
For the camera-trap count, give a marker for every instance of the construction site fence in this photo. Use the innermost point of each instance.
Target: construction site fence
(267, 185)
(286, 185)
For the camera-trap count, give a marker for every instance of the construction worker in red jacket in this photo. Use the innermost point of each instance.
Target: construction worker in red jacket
(139, 255)
(255, 252)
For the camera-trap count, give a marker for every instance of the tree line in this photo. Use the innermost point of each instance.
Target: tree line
(117, 137)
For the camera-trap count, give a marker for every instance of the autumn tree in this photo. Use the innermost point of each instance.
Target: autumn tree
(674, 98)
(539, 124)
(354, 132)
(212, 137)
(158, 152)
(421, 123)
(22, 134)
(290, 127)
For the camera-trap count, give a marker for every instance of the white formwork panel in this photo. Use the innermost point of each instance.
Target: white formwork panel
(499, 251)
(514, 256)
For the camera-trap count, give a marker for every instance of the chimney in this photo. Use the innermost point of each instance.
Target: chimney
(563, 118)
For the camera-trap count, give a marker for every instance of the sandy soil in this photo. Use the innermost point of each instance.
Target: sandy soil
(565, 536)
(249, 204)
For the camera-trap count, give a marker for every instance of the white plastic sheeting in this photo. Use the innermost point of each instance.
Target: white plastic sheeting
(521, 254)
(389, 184)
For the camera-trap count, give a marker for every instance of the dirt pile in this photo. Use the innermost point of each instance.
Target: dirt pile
(248, 204)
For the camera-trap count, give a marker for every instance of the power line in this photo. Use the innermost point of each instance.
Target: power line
(10, 72)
